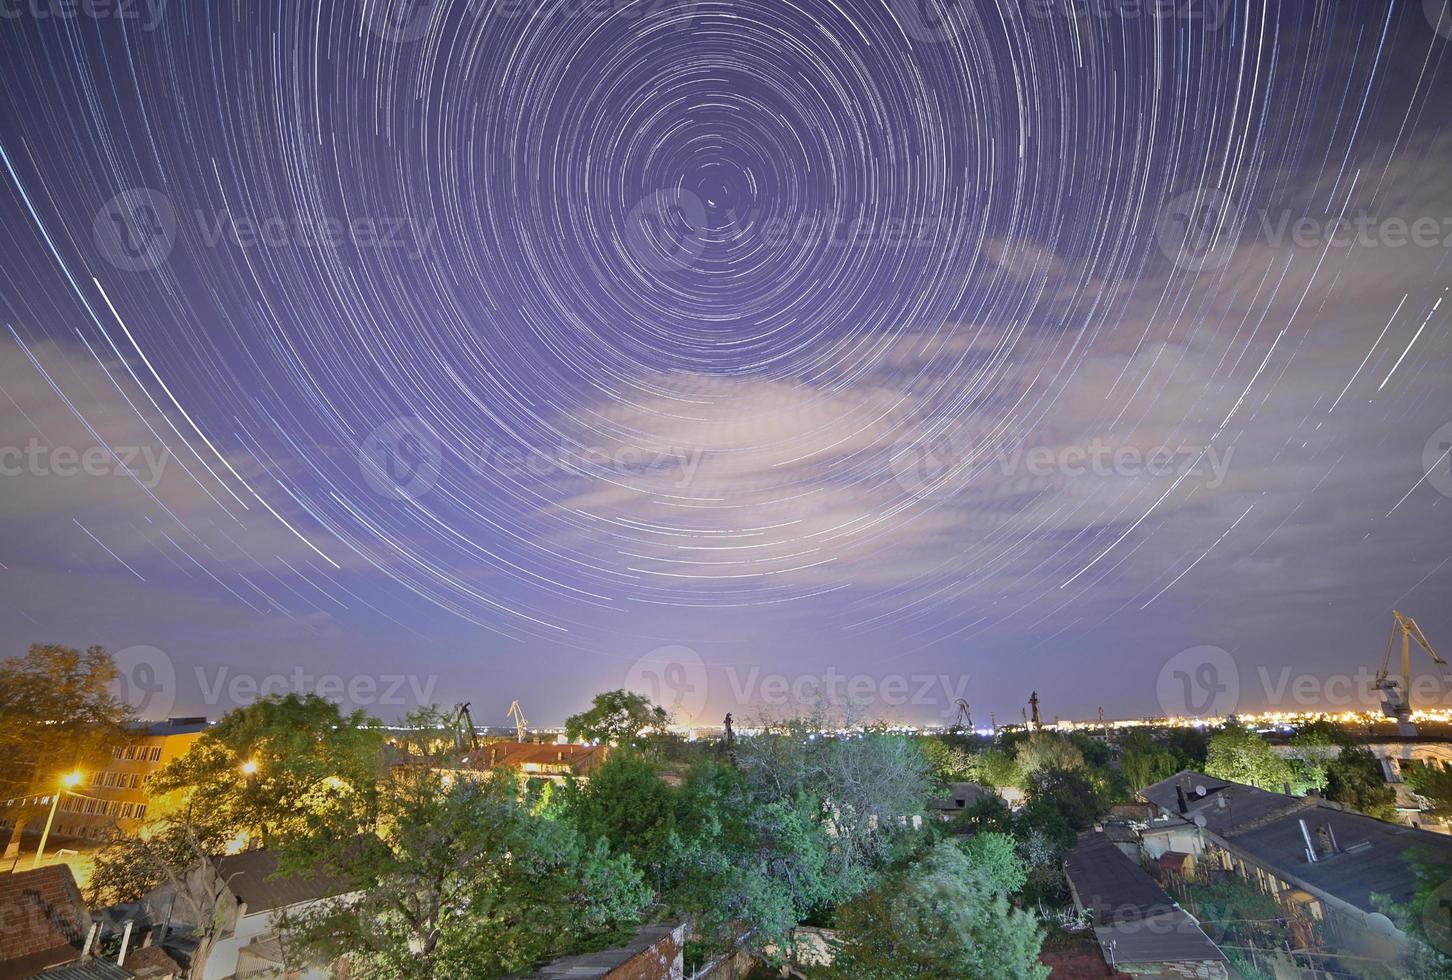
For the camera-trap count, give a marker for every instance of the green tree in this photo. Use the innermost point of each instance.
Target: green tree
(1069, 792)
(619, 718)
(997, 769)
(457, 877)
(262, 770)
(994, 855)
(1144, 761)
(1355, 778)
(947, 763)
(940, 917)
(1432, 781)
(625, 804)
(1048, 750)
(1240, 755)
(57, 715)
(1312, 752)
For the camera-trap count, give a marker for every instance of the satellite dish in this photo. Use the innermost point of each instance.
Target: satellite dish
(1380, 924)
(1200, 820)
(1200, 789)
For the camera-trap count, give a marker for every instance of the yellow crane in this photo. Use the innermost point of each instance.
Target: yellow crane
(1396, 699)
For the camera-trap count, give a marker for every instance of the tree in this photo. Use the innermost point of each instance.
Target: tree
(263, 769)
(57, 715)
(1432, 781)
(619, 718)
(457, 877)
(171, 855)
(625, 804)
(994, 855)
(1068, 792)
(1048, 750)
(1355, 778)
(997, 769)
(1143, 761)
(1312, 751)
(1241, 756)
(947, 763)
(940, 917)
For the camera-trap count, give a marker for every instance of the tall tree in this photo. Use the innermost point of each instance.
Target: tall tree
(1240, 755)
(1355, 778)
(940, 917)
(262, 770)
(619, 718)
(57, 715)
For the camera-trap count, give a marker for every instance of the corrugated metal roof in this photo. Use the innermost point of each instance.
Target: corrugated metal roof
(87, 970)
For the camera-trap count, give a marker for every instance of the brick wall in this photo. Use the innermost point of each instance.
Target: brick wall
(663, 961)
(40, 910)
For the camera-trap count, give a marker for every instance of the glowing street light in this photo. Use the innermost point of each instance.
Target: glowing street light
(68, 782)
(249, 768)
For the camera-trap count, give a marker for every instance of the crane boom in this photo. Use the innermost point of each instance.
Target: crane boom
(1397, 697)
(516, 713)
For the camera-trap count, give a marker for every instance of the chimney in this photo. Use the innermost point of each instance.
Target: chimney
(1180, 796)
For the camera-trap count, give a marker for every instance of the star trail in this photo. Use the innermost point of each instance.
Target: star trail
(1027, 341)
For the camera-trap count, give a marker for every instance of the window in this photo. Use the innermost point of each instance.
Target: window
(129, 810)
(140, 810)
(156, 753)
(130, 752)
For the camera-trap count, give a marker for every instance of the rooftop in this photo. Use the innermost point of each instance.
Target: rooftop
(252, 877)
(43, 922)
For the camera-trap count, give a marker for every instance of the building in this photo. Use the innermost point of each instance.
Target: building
(117, 798)
(655, 952)
(538, 760)
(1323, 862)
(1139, 928)
(43, 922)
(961, 796)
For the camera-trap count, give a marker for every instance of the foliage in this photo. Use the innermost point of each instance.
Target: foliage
(1048, 750)
(457, 877)
(1240, 755)
(990, 813)
(1355, 778)
(940, 917)
(997, 769)
(995, 857)
(1144, 761)
(627, 805)
(1432, 781)
(947, 763)
(57, 715)
(1069, 792)
(300, 754)
(1312, 751)
(619, 718)
(870, 784)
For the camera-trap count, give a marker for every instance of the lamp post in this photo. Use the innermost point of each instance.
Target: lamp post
(69, 780)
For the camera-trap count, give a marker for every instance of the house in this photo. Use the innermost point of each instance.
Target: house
(1139, 928)
(539, 760)
(252, 944)
(117, 798)
(961, 796)
(1322, 861)
(655, 952)
(43, 922)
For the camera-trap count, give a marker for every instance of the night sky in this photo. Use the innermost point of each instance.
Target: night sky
(982, 347)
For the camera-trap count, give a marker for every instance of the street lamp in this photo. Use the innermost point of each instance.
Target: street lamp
(249, 768)
(69, 781)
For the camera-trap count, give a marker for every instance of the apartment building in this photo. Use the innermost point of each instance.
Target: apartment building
(118, 797)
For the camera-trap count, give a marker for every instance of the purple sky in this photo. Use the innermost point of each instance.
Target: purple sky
(921, 350)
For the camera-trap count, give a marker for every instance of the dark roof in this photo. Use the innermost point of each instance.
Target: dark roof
(252, 877)
(1371, 856)
(960, 796)
(177, 726)
(1170, 937)
(43, 921)
(89, 970)
(600, 964)
(1109, 884)
(1135, 920)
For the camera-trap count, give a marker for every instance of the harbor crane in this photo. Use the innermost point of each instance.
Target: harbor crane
(1396, 700)
(516, 714)
(965, 715)
(466, 739)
